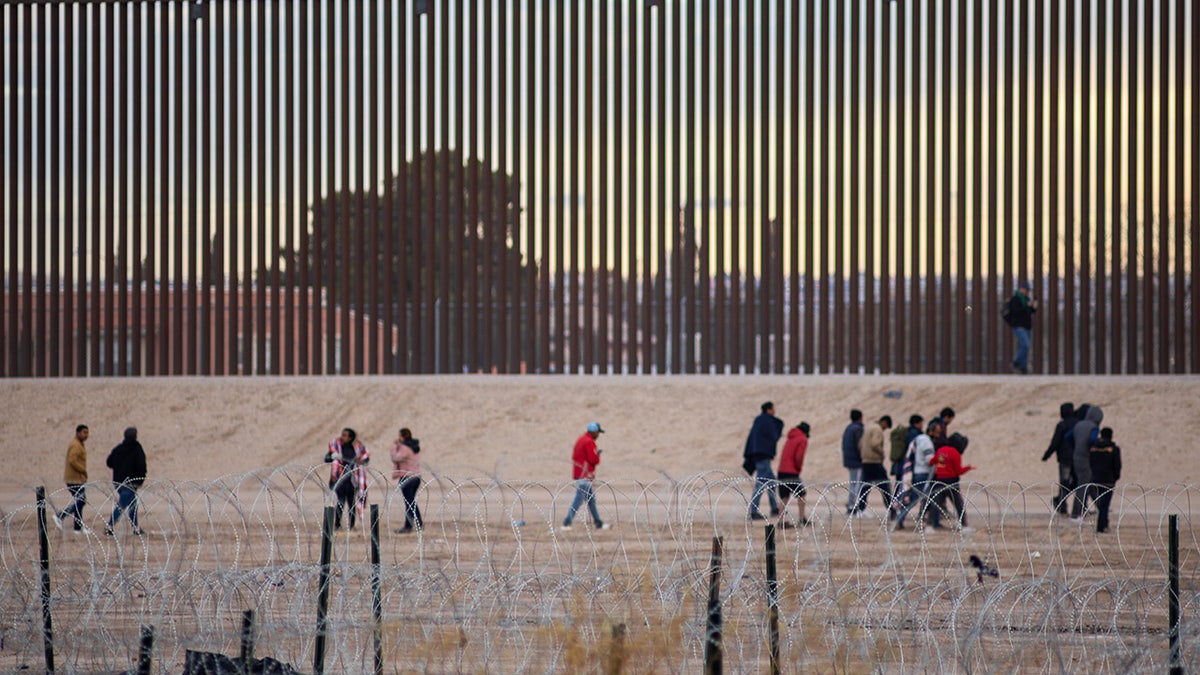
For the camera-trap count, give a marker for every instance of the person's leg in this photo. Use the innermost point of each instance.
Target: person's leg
(852, 490)
(412, 512)
(765, 478)
(1103, 502)
(122, 504)
(939, 490)
(1024, 341)
(959, 504)
(78, 500)
(591, 503)
(1065, 472)
(583, 487)
(133, 509)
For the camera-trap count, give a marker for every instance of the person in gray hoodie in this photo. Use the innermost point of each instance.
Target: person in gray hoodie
(1085, 433)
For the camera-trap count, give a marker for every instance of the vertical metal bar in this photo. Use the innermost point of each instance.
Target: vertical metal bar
(475, 159)
(707, 334)
(237, 197)
(1069, 349)
(794, 224)
(778, 247)
(772, 578)
(991, 346)
(886, 329)
(677, 207)
(533, 340)
(54, 132)
(736, 320)
(178, 278)
(974, 321)
(1115, 321)
(911, 326)
(430, 322)
(512, 269)
(1051, 317)
(8, 246)
(247, 647)
(391, 113)
(659, 217)
(297, 321)
(202, 136)
(145, 651)
(448, 240)
(347, 261)
(757, 289)
(870, 341)
(1101, 235)
(838, 311)
(603, 356)
(855, 352)
(560, 357)
(939, 361)
(1195, 193)
(110, 197)
(1008, 262)
(713, 650)
(93, 145)
(1164, 199)
(571, 193)
(44, 576)
(1085, 181)
(902, 324)
(1148, 323)
(457, 223)
(416, 317)
(403, 218)
(1039, 157)
(1132, 363)
(489, 224)
(826, 46)
(376, 576)
(368, 160)
(141, 255)
(195, 226)
(544, 336)
(74, 197)
(220, 364)
(933, 237)
(288, 111)
(632, 274)
(720, 321)
(1172, 590)
(36, 137)
(961, 316)
(363, 314)
(262, 279)
(323, 590)
(1181, 329)
(587, 303)
(649, 297)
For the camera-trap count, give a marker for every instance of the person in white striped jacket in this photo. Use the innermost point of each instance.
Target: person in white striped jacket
(348, 474)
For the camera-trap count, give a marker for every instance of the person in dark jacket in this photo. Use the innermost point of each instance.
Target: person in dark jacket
(128, 464)
(852, 459)
(1085, 433)
(1106, 471)
(1019, 316)
(760, 449)
(1061, 449)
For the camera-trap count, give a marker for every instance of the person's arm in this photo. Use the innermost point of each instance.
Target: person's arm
(1116, 462)
(593, 454)
(1055, 441)
(329, 453)
(362, 455)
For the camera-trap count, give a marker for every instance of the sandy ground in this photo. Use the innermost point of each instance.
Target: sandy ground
(523, 428)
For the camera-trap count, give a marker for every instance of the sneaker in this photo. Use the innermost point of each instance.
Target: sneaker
(774, 513)
(757, 516)
(604, 526)
(566, 526)
(138, 531)
(83, 530)
(804, 522)
(57, 521)
(897, 526)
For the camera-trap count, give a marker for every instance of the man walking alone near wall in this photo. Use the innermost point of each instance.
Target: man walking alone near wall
(584, 460)
(1018, 313)
(76, 477)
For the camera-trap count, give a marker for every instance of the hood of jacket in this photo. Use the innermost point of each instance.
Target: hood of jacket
(1095, 415)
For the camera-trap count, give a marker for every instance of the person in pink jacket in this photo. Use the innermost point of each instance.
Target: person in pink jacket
(406, 469)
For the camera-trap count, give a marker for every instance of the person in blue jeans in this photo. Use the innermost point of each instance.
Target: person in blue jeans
(917, 459)
(759, 452)
(585, 458)
(128, 464)
(1019, 315)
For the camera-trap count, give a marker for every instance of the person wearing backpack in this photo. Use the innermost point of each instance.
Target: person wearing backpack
(900, 438)
(1018, 314)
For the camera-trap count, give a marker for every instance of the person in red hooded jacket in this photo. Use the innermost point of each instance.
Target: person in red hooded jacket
(791, 462)
(948, 470)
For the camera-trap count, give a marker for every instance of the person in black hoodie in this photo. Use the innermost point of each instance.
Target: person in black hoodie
(128, 464)
(760, 450)
(1106, 471)
(1064, 452)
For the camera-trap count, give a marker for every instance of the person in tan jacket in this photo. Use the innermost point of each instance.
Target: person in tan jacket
(75, 475)
(873, 474)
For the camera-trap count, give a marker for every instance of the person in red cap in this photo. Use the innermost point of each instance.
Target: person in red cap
(584, 460)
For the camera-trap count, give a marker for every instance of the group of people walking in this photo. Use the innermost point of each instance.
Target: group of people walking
(348, 478)
(1089, 463)
(926, 462)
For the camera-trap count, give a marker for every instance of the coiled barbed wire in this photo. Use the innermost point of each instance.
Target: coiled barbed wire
(492, 584)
